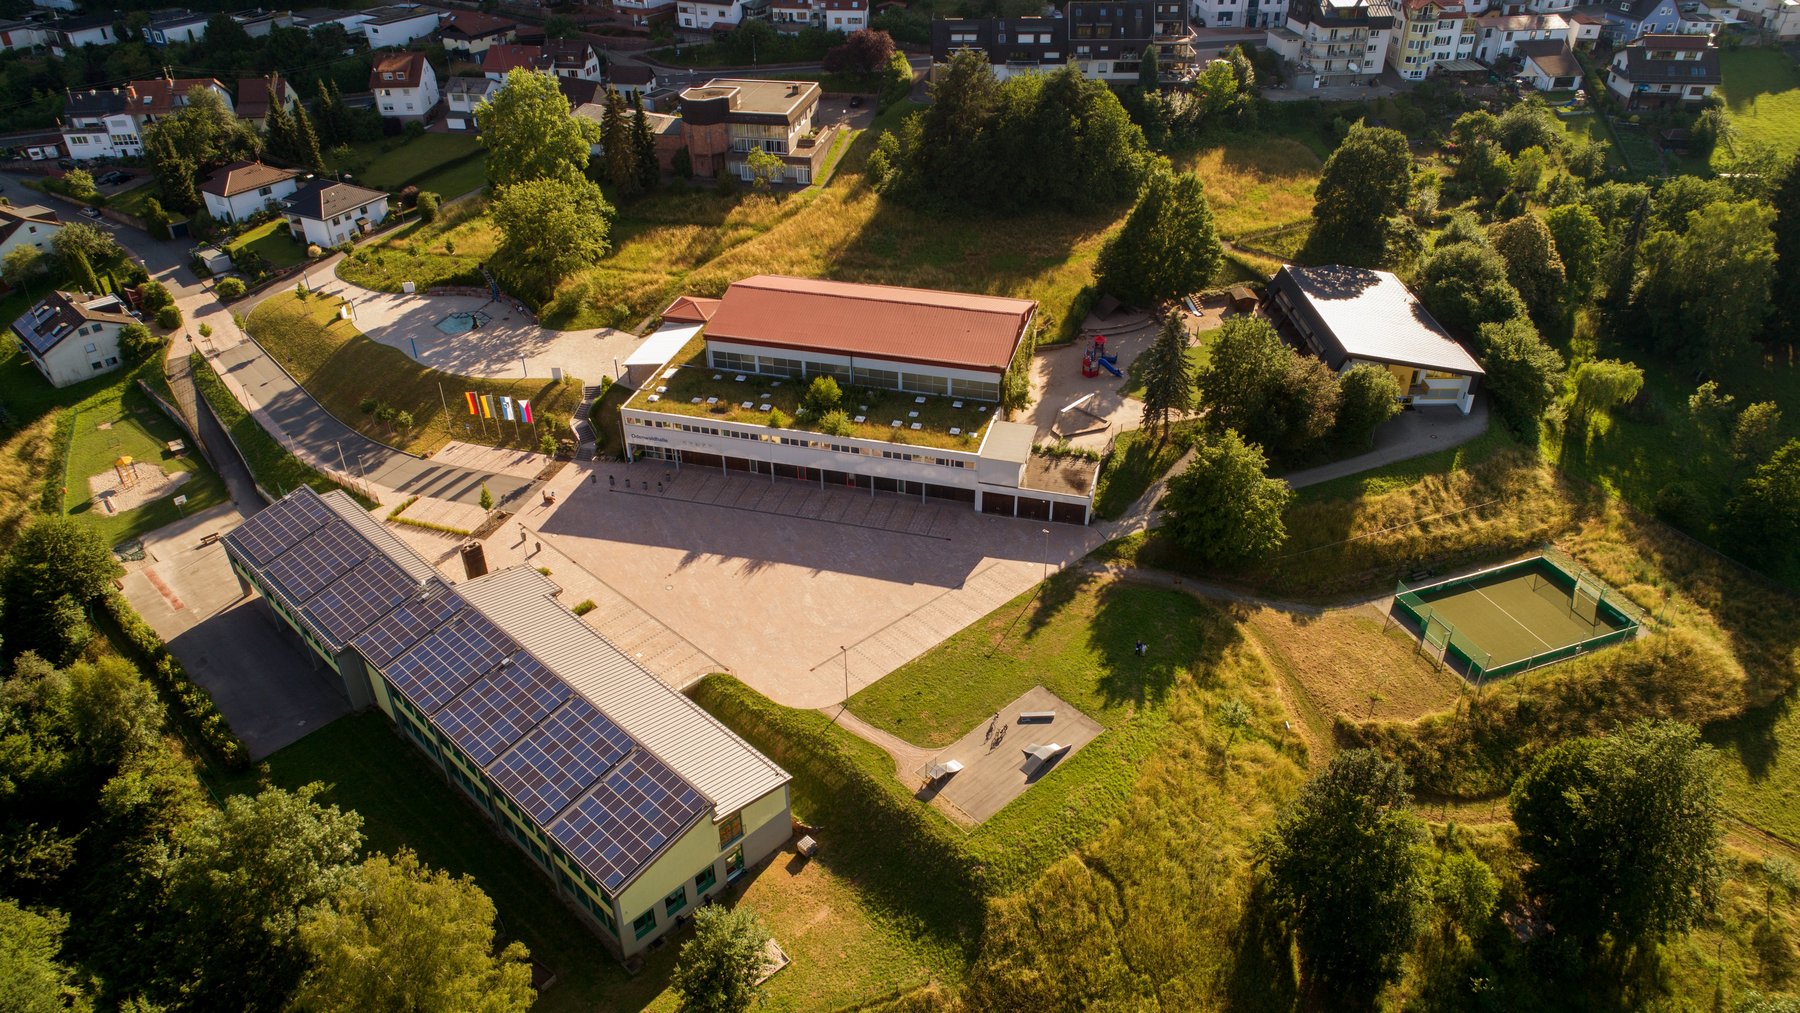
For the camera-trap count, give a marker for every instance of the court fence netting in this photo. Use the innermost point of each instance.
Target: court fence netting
(1590, 599)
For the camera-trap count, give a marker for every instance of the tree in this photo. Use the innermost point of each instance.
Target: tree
(156, 220)
(1524, 375)
(31, 978)
(399, 936)
(561, 26)
(1711, 410)
(280, 142)
(85, 278)
(1757, 432)
(487, 498)
(57, 563)
(550, 228)
(1581, 245)
(1235, 715)
(618, 156)
(862, 52)
(1370, 395)
(138, 343)
(238, 884)
(23, 265)
(1532, 264)
(306, 141)
(643, 147)
(155, 296)
(1466, 890)
(427, 203)
(1344, 865)
(87, 240)
(1786, 282)
(1528, 124)
(169, 317)
(1604, 384)
(1465, 285)
(1255, 384)
(1482, 170)
(175, 172)
(1365, 182)
(765, 169)
(1167, 247)
(1623, 833)
(228, 289)
(80, 184)
(113, 713)
(1704, 294)
(203, 132)
(823, 395)
(1224, 509)
(1150, 68)
(1167, 375)
(529, 134)
(1764, 516)
(718, 968)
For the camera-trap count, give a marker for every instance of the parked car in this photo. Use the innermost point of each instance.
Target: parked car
(856, 101)
(112, 177)
(93, 213)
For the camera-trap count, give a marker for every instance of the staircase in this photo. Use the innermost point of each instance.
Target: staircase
(585, 437)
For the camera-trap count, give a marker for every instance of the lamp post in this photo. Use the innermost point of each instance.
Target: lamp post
(845, 651)
(1046, 532)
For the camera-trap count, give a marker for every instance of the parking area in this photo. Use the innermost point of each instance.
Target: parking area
(799, 608)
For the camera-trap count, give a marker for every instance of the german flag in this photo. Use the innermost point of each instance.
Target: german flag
(474, 406)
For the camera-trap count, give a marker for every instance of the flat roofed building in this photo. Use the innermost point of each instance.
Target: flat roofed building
(725, 119)
(1351, 315)
(639, 805)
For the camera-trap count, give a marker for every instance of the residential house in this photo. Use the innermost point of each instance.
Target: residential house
(701, 15)
(1498, 35)
(1699, 21)
(470, 33)
(21, 35)
(1549, 65)
(1335, 42)
(241, 189)
(73, 33)
(165, 27)
(665, 130)
(399, 25)
(1433, 34)
(110, 123)
(258, 24)
(579, 92)
(72, 336)
(1780, 18)
(1022, 45)
(404, 85)
(1628, 19)
(327, 213)
(1662, 70)
(630, 79)
(1238, 13)
(791, 15)
(576, 59)
(844, 15)
(723, 120)
(55, 5)
(314, 18)
(30, 225)
(502, 58)
(1105, 40)
(1587, 27)
(1352, 316)
(645, 12)
(258, 96)
(461, 96)
(638, 806)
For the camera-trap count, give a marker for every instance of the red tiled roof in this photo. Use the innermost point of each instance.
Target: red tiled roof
(242, 177)
(880, 321)
(510, 56)
(12, 219)
(690, 309)
(405, 70)
(253, 95)
(163, 95)
(474, 24)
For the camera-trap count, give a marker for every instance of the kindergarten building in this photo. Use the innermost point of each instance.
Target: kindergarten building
(638, 805)
(723, 385)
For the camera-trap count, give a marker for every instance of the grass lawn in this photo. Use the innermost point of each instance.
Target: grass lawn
(273, 467)
(1762, 96)
(135, 426)
(1197, 355)
(340, 367)
(1256, 182)
(430, 162)
(273, 241)
(445, 252)
(132, 202)
(1137, 460)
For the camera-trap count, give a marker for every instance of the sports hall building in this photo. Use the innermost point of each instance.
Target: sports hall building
(922, 373)
(637, 804)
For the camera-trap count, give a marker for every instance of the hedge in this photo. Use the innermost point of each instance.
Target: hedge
(56, 475)
(194, 703)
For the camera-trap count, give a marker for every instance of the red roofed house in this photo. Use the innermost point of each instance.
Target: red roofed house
(502, 58)
(404, 84)
(922, 373)
(258, 95)
(472, 32)
(110, 123)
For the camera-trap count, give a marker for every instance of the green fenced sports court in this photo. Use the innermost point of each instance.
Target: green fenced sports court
(1517, 616)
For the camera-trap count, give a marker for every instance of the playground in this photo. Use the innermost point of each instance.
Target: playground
(1515, 617)
(127, 462)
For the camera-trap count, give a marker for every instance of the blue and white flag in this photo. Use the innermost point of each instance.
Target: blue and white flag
(506, 408)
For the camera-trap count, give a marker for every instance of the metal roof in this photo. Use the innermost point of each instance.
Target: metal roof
(725, 768)
(1371, 315)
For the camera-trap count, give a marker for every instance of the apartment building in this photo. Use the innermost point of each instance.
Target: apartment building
(404, 85)
(109, 123)
(1335, 42)
(725, 119)
(1238, 13)
(1664, 70)
(1105, 40)
(1432, 34)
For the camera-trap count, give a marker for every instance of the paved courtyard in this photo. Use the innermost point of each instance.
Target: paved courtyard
(794, 606)
(997, 764)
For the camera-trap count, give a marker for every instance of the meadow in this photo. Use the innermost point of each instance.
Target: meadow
(1762, 97)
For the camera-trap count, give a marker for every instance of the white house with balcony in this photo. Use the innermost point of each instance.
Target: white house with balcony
(71, 336)
(241, 189)
(1352, 316)
(328, 213)
(399, 24)
(1335, 42)
(1432, 34)
(709, 16)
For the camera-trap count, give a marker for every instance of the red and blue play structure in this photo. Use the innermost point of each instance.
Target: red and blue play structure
(1096, 359)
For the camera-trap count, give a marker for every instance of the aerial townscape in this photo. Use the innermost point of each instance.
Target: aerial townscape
(897, 506)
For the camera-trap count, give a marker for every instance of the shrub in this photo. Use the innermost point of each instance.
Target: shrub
(229, 288)
(824, 395)
(313, 252)
(206, 330)
(154, 296)
(138, 343)
(168, 318)
(428, 207)
(166, 671)
(779, 419)
(834, 423)
(583, 607)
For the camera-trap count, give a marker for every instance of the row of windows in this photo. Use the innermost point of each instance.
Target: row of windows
(797, 441)
(274, 602)
(867, 376)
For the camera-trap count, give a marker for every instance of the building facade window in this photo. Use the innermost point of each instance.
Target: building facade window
(730, 829)
(705, 881)
(675, 901)
(644, 924)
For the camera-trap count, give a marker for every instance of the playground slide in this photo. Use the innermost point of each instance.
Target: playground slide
(1109, 367)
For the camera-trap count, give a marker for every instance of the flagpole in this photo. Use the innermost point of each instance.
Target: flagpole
(444, 403)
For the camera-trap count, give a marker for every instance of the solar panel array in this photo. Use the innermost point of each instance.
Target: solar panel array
(619, 825)
(279, 527)
(318, 560)
(489, 716)
(446, 662)
(361, 596)
(395, 633)
(559, 759)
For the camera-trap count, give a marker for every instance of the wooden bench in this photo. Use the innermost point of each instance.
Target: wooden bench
(209, 539)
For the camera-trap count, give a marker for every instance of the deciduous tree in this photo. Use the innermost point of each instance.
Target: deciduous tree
(57, 563)
(1705, 293)
(1757, 432)
(1581, 244)
(1366, 181)
(1150, 68)
(1274, 397)
(1532, 265)
(399, 936)
(1623, 832)
(1167, 375)
(32, 979)
(529, 134)
(1370, 395)
(1464, 285)
(765, 168)
(863, 51)
(1524, 375)
(1764, 516)
(1345, 865)
(1224, 509)
(1167, 248)
(552, 227)
(1603, 385)
(1786, 281)
(719, 966)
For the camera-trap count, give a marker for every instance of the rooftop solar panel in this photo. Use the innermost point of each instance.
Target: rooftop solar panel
(615, 829)
(362, 596)
(318, 560)
(280, 526)
(438, 667)
(494, 711)
(395, 633)
(559, 759)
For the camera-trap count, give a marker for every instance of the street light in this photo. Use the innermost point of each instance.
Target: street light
(846, 653)
(1046, 532)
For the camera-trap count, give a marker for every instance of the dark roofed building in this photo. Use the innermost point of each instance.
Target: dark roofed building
(258, 95)
(327, 213)
(72, 336)
(1663, 70)
(472, 32)
(1348, 316)
(1549, 64)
